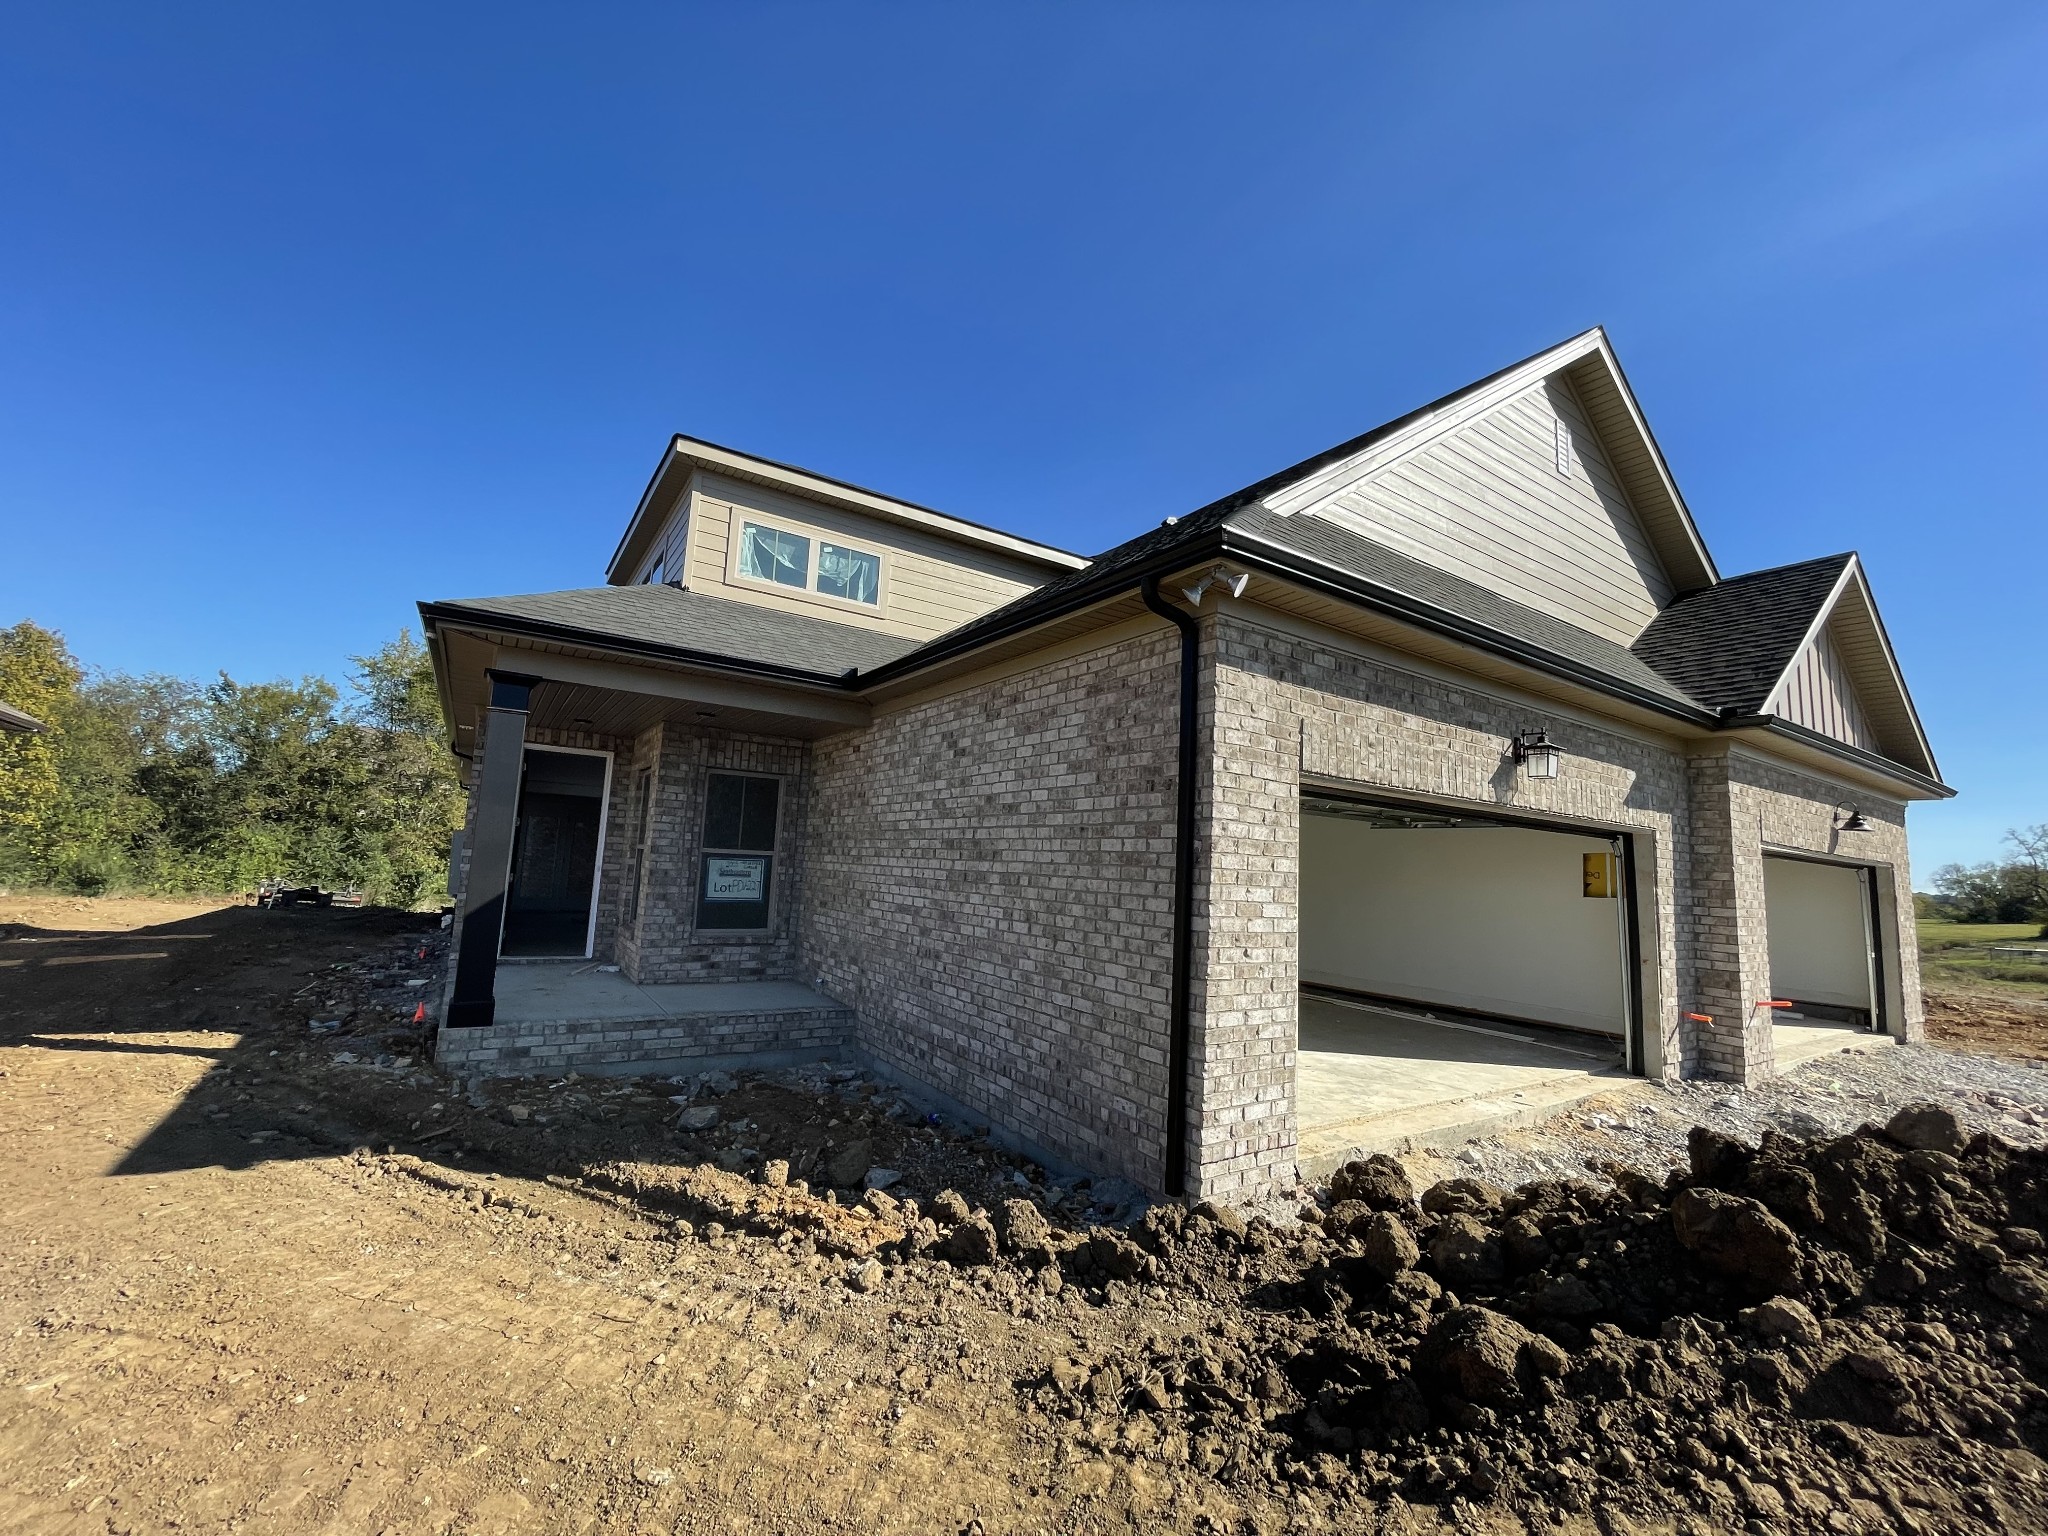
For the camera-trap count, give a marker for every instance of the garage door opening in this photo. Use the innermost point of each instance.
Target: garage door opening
(1821, 922)
(1448, 957)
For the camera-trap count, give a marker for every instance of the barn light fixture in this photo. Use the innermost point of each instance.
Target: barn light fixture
(1849, 819)
(1537, 753)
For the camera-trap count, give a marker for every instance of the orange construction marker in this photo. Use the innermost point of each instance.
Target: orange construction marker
(419, 1014)
(1701, 1018)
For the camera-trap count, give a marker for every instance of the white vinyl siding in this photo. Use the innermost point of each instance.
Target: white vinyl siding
(1817, 694)
(928, 585)
(1504, 503)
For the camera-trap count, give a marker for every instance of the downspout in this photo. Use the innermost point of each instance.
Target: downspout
(1180, 1003)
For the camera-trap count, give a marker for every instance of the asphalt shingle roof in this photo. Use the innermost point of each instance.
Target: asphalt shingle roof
(1336, 545)
(1727, 645)
(670, 618)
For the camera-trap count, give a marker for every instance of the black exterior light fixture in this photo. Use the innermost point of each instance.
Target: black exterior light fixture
(1537, 754)
(1849, 819)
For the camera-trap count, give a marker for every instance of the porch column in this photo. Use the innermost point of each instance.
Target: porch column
(482, 912)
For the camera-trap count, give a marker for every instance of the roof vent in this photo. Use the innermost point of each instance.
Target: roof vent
(1561, 440)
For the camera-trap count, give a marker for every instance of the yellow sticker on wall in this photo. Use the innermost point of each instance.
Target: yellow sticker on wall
(1602, 878)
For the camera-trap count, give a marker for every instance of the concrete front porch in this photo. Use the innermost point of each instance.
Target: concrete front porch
(560, 1018)
(1374, 1079)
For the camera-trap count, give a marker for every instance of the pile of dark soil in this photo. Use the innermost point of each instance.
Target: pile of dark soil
(1835, 1335)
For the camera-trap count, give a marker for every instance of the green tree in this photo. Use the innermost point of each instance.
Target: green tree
(415, 798)
(178, 786)
(38, 674)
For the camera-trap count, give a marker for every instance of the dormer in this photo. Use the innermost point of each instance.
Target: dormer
(731, 525)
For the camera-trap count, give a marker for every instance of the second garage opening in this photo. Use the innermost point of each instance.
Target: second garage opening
(1448, 956)
(1821, 919)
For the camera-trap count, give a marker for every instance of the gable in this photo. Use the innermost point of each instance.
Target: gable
(1522, 500)
(1844, 682)
(1818, 693)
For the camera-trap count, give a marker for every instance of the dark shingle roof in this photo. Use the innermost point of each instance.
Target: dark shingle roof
(670, 619)
(1727, 645)
(1322, 540)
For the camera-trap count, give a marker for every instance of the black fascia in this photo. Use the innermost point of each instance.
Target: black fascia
(1808, 737)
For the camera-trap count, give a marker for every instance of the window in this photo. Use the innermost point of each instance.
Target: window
(849, 573)
(769, 554)
(775, 554)
(654, 572)
(740, 812)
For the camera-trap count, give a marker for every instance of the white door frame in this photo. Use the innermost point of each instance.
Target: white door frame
(604, 816)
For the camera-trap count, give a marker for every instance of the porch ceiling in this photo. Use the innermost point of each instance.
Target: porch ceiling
(584, 690)
(613, 712)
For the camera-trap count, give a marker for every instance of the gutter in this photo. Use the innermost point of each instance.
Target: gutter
(1180, 997)
(1791, 730)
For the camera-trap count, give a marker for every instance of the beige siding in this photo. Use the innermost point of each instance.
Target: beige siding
(1817, 694)
(1487, 502)
(669, 545)
(929, 584)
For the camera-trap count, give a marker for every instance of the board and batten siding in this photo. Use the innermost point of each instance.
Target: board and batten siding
(1818, 694)
(929, 584)
(1488, 502)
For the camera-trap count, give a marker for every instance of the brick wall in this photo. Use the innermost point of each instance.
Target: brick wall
(550, 1046)
(664, 944)
(1281, 706)
(989, 885)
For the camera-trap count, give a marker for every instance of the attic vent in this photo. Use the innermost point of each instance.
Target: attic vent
(1562, 442)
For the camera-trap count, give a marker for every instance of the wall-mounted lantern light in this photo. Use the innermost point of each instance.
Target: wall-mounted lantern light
(1537, 754)
(1849, 819)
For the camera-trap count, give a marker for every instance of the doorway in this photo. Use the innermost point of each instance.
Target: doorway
(551, 900)
(1448, 955)
(1821, 922)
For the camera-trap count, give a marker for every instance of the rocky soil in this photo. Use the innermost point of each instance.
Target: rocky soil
(265, 1269)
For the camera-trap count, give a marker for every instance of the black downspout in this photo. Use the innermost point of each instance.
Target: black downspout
(1180, 1004)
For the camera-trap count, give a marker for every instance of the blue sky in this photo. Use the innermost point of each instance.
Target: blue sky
(306, 315)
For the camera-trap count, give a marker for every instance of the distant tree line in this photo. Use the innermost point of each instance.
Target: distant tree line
(2009, 890)
(162, 784)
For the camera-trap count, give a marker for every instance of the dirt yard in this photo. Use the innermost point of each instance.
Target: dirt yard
(261, 1270)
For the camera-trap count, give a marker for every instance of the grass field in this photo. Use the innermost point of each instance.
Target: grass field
(1953, 957)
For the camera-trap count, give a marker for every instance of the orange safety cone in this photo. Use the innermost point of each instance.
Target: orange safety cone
(419, 1014)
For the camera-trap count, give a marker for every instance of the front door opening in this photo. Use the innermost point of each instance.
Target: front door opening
(552, 896)
(1448, 956)
(1819, 919)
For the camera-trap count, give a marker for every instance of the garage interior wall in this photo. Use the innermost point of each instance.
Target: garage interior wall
(1817, 916)
(1492, 919)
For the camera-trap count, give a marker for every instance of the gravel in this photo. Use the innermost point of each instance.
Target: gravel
(1644, 1125)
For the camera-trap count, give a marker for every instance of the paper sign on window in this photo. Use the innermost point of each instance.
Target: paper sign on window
(734, 879)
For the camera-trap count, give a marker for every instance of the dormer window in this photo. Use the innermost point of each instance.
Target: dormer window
(784, 558)
(770, 554)
(853, 574)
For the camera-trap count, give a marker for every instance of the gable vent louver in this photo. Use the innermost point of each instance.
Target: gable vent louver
(1561, 441)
